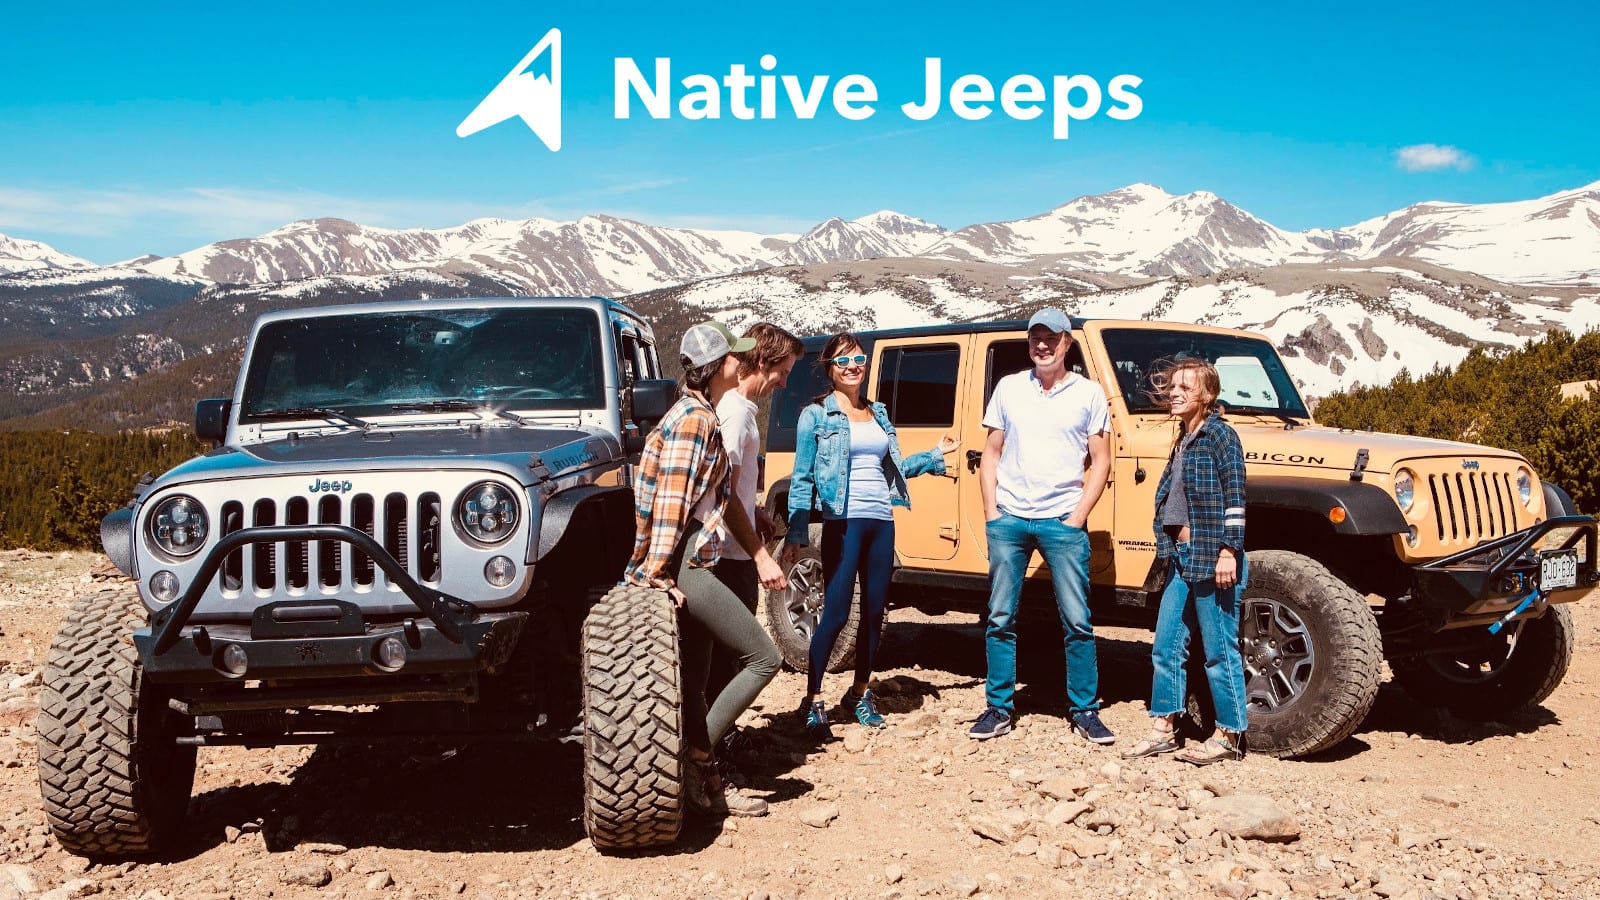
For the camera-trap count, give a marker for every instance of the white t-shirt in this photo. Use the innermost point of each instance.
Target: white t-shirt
(1046, 437)
(736, 419)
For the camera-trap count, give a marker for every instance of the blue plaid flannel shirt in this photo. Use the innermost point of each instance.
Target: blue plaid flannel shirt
(1213, 480)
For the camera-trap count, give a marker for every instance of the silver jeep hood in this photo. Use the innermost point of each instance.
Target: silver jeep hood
(542, 452)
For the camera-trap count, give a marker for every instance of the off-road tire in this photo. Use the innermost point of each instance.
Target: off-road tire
(1294, 594)
(632, 721)
(1518, 679)
(790, 629)
(114, 782)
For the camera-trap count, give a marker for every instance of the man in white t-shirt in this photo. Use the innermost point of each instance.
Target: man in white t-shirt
(1037, 493)
(746, 562)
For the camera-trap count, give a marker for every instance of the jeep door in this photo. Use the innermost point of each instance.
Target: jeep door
(919, 381)
(996, 355)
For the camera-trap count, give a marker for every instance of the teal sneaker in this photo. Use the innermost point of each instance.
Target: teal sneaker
(817, 727)
(864, 707)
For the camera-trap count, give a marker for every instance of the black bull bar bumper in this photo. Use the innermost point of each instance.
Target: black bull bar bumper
(1507, 575)
(322, 637)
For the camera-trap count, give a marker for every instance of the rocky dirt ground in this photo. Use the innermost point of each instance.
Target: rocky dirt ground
(1415, 805)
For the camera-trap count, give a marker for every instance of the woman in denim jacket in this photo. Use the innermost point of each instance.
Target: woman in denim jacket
(847, 463)
(1199, 528)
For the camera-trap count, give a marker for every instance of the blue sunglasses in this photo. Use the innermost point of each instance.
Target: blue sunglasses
(860, 359)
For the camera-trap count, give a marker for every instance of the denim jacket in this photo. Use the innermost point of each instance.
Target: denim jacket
(821, 474)
(1213, 480)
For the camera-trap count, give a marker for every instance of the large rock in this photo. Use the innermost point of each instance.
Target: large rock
(820, 816)
(1004, 828)
(307, 874)
(1251, 816)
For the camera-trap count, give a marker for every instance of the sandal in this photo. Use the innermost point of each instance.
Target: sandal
(1158, 741)
(1215, 749)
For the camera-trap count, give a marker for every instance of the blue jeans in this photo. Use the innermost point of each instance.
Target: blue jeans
(1187, 607)
(1065, 549)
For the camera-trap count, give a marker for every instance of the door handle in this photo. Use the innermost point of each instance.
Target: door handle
(974, 459)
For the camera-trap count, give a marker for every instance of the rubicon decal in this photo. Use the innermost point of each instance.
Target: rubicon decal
(532, 92)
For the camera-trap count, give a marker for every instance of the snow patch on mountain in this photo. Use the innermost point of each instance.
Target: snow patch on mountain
(21, 255)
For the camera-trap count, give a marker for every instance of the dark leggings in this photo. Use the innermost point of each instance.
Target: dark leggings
(714, 615)
(852, 550)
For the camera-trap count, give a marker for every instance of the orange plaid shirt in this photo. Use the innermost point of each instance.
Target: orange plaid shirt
(683, 459)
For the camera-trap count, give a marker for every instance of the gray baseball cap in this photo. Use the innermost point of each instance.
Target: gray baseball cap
(710, 341)
(1051, 318)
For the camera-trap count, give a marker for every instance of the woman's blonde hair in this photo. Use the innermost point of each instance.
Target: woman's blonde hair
(1166, 371)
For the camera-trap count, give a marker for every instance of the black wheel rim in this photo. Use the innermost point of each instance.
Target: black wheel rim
(803, 599)
(1278, 652)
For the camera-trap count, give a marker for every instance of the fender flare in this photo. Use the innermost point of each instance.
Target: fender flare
(563, 507)
(1368, 508)
(116, 538)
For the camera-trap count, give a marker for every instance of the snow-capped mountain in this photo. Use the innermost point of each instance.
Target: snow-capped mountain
(18, 255)
(883, 234)
(1336, 325)
(595, 254)
(1554, 239)
(1138, 230)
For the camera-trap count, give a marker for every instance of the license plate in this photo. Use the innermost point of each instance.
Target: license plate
(1558, 570)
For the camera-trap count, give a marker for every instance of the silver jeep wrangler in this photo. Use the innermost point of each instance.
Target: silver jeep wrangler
(404, 531)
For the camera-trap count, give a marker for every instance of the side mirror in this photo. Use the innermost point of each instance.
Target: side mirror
(211, 419)
(652, 397)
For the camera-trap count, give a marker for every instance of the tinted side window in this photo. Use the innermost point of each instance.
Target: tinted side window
(805, 382)
(918, 385)
(628, 359)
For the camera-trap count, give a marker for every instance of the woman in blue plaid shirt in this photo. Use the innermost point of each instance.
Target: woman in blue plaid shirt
(1199, 528)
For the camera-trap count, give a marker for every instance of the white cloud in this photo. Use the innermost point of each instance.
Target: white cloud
(1432, 158)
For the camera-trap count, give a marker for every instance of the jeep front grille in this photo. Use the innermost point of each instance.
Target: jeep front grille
(407, 527)
(1470, 507)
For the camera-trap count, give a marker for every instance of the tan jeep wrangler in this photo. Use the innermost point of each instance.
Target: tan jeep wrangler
(1446, 559)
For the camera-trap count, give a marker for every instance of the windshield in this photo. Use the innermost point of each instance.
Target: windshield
(1253, 377)
(366, 364)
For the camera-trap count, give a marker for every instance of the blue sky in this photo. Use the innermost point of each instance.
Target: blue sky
(137, 128)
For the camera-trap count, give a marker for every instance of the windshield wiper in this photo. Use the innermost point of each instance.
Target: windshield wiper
(1263, 411)
(454, 404)
(310, 412)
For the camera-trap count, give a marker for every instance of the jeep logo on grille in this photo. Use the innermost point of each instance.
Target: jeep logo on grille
(332, 487)
(1465, 464)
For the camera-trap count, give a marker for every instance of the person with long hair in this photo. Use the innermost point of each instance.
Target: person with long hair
(746, 563)
(681, 516)
(1199, 526)
(848, 463)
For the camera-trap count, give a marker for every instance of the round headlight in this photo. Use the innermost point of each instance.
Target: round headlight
(1405, 489)
(178, 526)
(487, 512)
(1525, 487)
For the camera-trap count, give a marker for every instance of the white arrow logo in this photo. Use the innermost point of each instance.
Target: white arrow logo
(534, 98)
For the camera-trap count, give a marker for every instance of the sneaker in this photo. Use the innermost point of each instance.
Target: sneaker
(1088, 724)
(706, 795)
(993, 723)
(734, 802)
(864, 707)
(817, 727)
